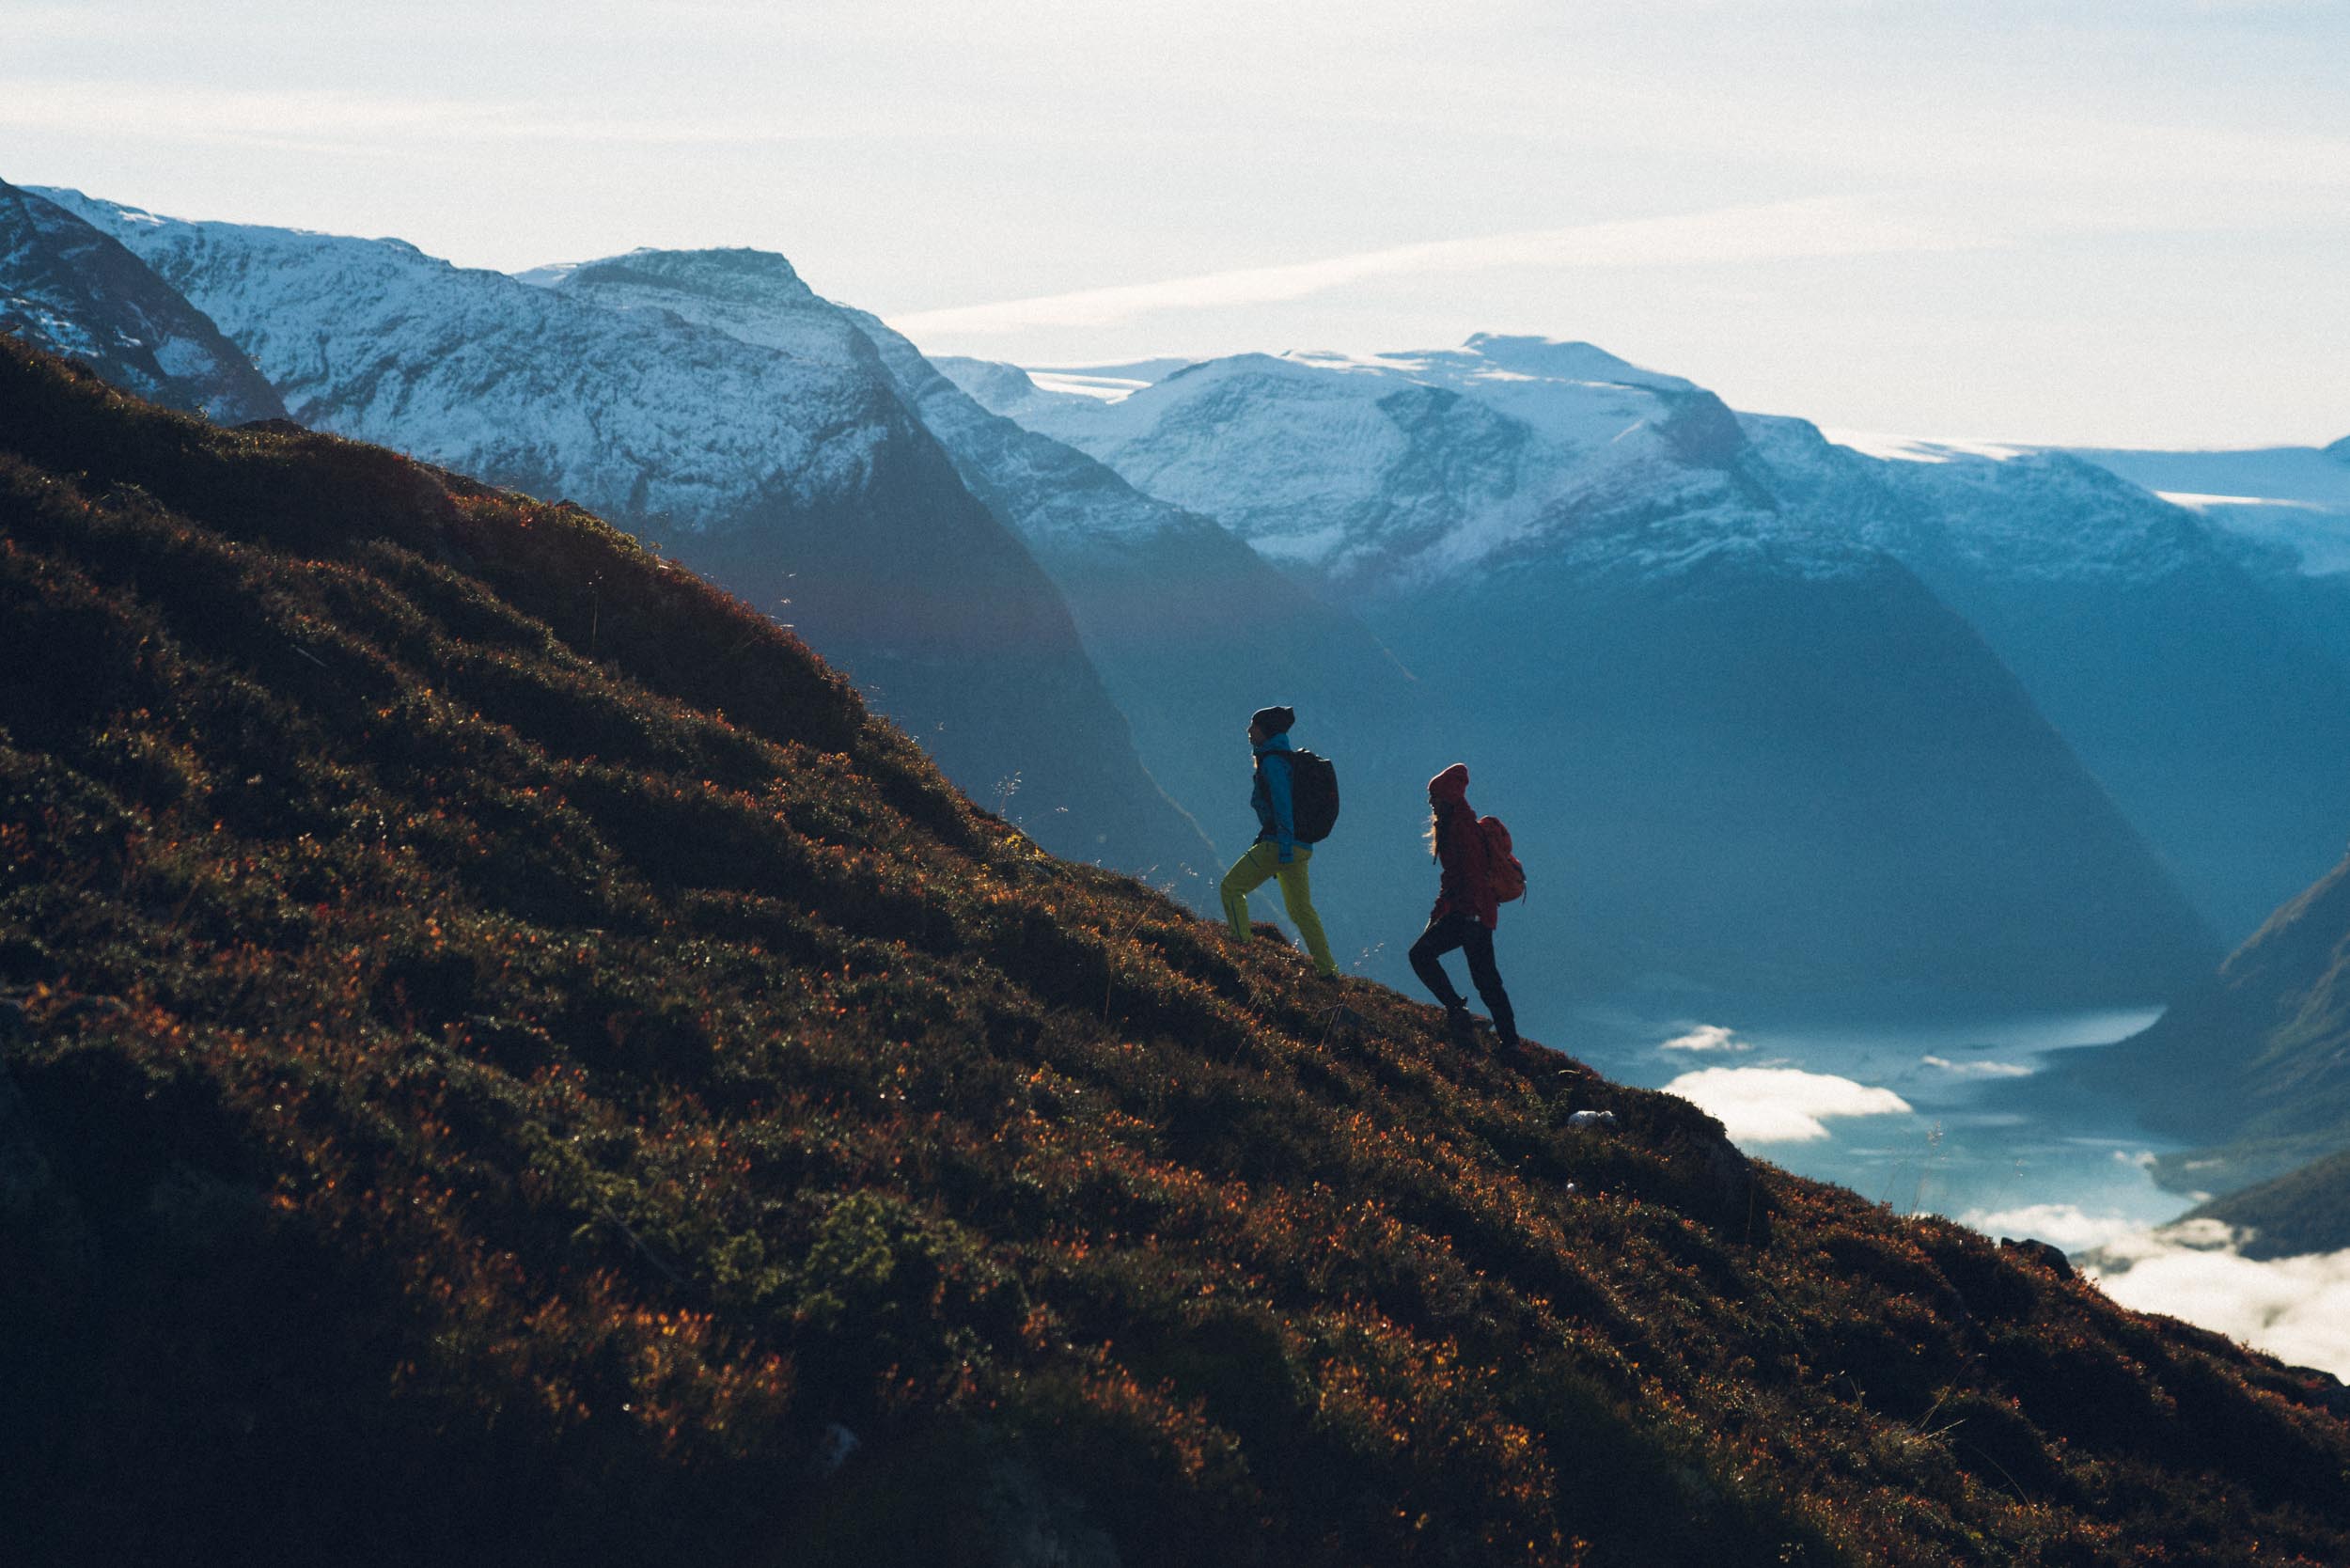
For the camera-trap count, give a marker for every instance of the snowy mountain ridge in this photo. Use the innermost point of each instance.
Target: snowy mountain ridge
(2017, 512)
(1373, 472)
(375, 340)
(69, 288)
(1380, 471)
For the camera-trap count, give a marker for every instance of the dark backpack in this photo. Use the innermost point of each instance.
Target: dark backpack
(1504, 876)
(1313, 796)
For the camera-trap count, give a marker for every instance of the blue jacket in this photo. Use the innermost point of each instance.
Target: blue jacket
(1271, 796)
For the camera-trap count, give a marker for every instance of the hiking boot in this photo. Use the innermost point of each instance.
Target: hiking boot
(1461, 1026)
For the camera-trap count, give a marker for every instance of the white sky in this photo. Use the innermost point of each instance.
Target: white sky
(2100, 223)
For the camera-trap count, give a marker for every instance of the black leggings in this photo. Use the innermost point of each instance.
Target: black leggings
(1468, 932)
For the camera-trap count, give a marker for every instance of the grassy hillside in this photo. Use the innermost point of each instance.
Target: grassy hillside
(505, 1061)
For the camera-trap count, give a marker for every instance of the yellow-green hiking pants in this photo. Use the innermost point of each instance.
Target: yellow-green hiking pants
(1252, 870)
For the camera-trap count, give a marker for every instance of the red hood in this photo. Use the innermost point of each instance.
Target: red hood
(1452, 784)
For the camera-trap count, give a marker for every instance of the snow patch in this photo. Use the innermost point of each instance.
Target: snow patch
(1915, 448)
(1107, 389)
(2195, 502)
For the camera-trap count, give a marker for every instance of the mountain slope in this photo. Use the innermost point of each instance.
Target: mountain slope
(2305, 1211)
(2291, 506)
(2297, 498)
(66, 288)
(794, 477)
(2194, 683)
(2260, 1053)
(463, 1096)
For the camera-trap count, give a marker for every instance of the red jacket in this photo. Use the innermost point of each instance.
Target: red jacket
(1465, 884)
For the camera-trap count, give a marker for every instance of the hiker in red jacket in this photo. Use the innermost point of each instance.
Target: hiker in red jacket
(1466, 911)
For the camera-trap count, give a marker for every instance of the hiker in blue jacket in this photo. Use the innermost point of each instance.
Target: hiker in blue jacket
(1276, 853)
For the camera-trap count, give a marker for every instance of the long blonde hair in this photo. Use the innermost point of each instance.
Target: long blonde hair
(1435, 819)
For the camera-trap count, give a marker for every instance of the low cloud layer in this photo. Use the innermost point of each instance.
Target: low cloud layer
(1978, 1069)
(2295, 1309)
(1705, 1037)
(1780, 1104)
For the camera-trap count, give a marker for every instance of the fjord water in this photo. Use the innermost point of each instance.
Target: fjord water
(1948, 1111)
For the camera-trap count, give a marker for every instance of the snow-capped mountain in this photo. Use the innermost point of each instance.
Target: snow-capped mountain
(2295, 497)
(791, 472)
(69, 288)
(2151, 637)
(1372, 474)
(2292, 504)
(1782, 766)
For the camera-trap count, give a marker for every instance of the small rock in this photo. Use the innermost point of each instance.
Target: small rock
(833, 1449)
(2047, 1257)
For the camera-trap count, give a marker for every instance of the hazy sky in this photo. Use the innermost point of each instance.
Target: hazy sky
(2120, 224)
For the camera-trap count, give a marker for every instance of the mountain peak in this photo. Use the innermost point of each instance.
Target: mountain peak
(67, 286)
(1553, 359)
(736, 272)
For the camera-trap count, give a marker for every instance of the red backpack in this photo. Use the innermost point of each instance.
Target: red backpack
(1504, 876)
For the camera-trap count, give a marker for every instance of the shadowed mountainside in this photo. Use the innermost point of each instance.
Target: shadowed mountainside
(488, 1079)
(2305, 1210)
(2258, 1057)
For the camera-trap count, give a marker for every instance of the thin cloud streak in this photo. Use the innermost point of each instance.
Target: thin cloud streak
(1822, 227)
(337, 121)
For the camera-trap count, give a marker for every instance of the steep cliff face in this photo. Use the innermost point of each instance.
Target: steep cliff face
(504, 1058)
(791, 472)
(68, 288)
